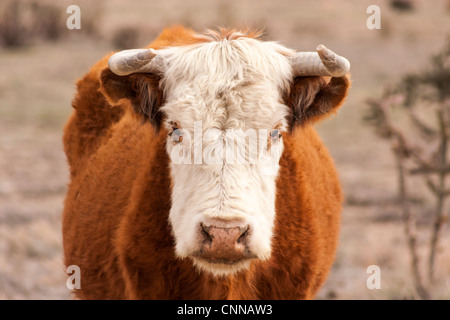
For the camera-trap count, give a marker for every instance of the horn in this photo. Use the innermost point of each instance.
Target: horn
(324, 62)
(131, 61)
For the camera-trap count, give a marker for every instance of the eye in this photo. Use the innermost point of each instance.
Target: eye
(176, 135)
(275, 135)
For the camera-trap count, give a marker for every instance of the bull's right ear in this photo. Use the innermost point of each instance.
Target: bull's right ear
(141, 89)
(313, 98)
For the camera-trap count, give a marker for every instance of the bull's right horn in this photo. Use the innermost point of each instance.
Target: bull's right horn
(324, 62)
(131, 61)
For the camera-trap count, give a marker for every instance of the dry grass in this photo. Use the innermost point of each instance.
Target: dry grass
(37, 85)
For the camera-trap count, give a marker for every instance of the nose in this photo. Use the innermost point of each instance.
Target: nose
(224, 244)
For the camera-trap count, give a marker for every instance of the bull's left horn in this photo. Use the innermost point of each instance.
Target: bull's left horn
(324, 62)
(131, 61)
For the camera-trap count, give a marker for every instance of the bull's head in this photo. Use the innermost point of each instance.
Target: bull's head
(225, 104)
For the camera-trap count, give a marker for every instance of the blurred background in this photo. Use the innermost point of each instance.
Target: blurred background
(40, 60)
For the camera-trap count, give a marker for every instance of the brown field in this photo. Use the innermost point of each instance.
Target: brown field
(37, 85)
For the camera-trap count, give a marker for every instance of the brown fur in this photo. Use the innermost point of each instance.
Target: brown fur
(115, 222)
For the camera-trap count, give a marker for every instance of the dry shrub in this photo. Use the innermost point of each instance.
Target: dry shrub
(14, 31)
(24, 22)
(414, 117)
(49, 20)
(91, 16)
(402, 5)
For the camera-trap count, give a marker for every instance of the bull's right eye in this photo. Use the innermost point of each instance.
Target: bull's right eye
(275, 135)
(176, 135)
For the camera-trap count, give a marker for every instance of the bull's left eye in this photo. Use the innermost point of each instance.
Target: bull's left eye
(275, 135)
(176, 135)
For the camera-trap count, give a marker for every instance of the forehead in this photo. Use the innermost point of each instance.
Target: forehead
(226, 82)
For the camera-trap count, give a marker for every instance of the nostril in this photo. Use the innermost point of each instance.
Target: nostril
(207, 238)
(206, 228)
(243, 238)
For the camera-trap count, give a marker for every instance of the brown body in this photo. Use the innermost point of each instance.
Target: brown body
(115, 223)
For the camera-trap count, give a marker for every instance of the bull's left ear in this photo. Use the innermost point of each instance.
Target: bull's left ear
(313, 98)
(141, 89)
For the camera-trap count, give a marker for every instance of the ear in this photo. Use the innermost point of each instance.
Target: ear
(141, 89)
(313, 98)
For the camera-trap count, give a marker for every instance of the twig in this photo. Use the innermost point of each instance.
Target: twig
(440, 192)
(410, 224)
(426, 169)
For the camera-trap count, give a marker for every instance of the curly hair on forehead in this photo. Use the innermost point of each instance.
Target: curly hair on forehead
(223, 33)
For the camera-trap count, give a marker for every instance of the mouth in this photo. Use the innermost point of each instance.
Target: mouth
(221, 260)
(224, 256)
(221, 267)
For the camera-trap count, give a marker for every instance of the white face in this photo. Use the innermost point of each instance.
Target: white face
(224, 99)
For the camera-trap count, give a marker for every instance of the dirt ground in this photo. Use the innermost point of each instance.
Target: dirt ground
(37, 85)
